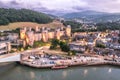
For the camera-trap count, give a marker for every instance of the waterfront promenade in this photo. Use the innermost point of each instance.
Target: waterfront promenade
(10, 57)
(74, 64)
(65, 61)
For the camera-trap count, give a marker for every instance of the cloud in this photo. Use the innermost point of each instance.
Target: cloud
(104, 5)
(10, 4)
(63, 6)
(14, 3)
(2, 5)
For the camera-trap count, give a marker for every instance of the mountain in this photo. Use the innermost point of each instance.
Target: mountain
(83, 14)
(52, 16)
(22, 15)
(93, 16)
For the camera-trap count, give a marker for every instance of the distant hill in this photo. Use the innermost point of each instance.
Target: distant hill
(15, 25)
(93, 16)
(22, 15)
(84, 14)
(52, 16)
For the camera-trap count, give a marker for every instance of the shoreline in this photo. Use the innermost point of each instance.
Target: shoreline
(57, 61)
(74, 65)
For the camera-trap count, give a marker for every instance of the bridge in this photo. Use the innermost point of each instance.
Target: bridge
(11, 57)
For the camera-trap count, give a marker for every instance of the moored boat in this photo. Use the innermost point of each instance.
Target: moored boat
(59, 67)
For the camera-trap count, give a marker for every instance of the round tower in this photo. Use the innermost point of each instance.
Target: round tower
(68, 31)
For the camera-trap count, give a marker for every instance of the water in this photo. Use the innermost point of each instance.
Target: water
(15, 71)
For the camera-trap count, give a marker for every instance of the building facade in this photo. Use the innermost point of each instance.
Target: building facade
(5, 47)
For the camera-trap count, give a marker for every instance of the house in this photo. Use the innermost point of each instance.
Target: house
(77, 46)
(5, 46)
(90, 42)
(13, 37)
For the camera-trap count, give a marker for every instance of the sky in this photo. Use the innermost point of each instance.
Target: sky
(63, 6)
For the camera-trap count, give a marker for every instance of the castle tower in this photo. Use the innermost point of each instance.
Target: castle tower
(30, 28)
(68, 31)
(43, 28)
(57, 34)
(22, 33)
(30, 37)
(51, 35)
(38, 36)
(44, 35)
(36, 29)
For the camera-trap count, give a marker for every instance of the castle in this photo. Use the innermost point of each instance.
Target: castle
(29, 35)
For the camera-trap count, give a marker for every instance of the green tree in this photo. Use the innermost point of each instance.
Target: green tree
(54, 43)
(100, 45)
(64, 47)
(71, 53)
(108, 26)
(36, 44)
(22, 15)
(4, 21)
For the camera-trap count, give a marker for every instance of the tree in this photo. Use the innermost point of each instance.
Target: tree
(39, 44)
(28, 47)
(71, 53)
(17, 30)
(22, 15)
(100, 45)
(64, 47)
(54, 43)
(62, 44)
(36, 44)
(108, 26)
(4, 21)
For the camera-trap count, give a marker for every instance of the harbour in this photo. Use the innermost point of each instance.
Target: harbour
(52, 60)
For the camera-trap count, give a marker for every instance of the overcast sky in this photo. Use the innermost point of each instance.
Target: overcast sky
(64, 6)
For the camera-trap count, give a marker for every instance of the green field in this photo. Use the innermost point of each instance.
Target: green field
(30, 24)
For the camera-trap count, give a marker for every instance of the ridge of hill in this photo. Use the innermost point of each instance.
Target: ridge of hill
(22, 15)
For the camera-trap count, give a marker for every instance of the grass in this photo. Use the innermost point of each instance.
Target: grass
(30, 24)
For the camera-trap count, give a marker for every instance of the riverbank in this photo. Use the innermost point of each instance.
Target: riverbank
(73, 65)
(37, 61)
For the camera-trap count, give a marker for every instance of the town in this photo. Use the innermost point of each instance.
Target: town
(59, 39)
(78, 48)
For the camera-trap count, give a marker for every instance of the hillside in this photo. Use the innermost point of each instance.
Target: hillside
(22, 15)
(30, 24)
(93, 16)
(84, 14)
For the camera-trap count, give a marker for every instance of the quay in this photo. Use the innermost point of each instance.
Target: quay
(49, 61)
(72, 65)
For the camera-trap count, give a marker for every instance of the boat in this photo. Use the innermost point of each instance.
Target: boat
(59, 67)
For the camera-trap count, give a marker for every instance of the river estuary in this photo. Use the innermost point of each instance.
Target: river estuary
(14, 71)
